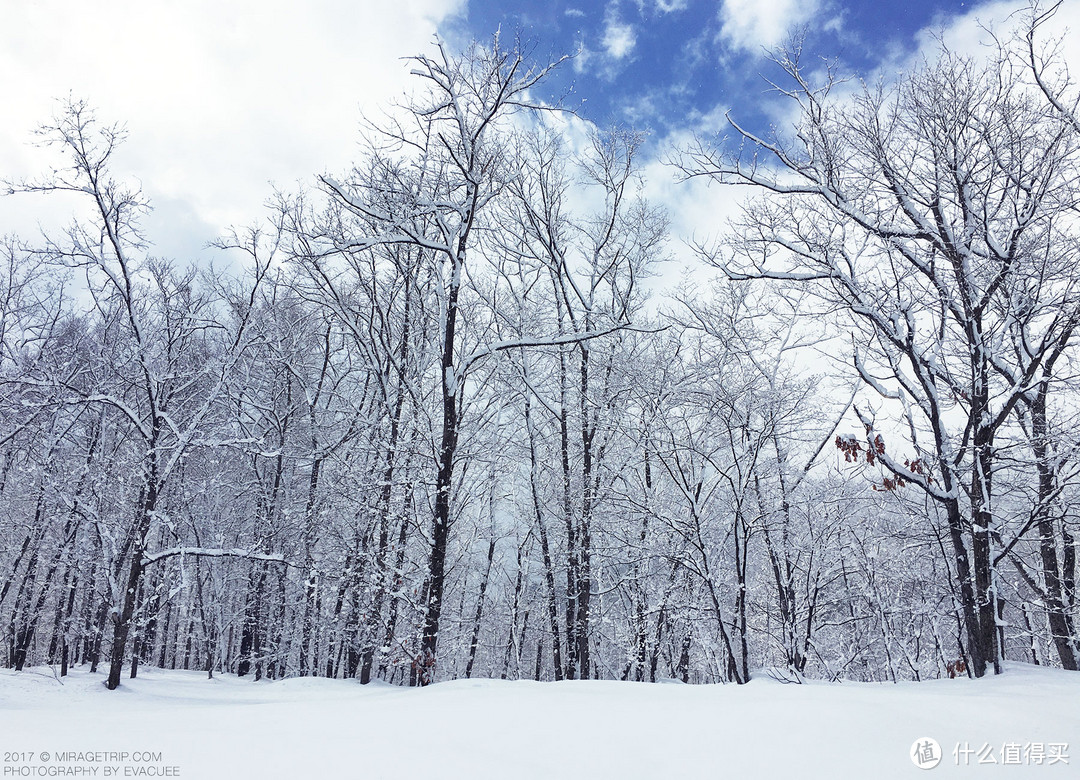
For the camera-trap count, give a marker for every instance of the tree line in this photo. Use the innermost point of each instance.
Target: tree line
(430, 425)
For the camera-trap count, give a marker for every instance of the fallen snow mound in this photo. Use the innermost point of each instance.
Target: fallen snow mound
(179, 724)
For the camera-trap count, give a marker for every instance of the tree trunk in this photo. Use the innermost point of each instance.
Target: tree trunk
(122, 623)
(545, 549)
(1059, 615)
(444, 479)
(480, 603)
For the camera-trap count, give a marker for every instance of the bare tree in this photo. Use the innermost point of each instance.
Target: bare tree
(430, 187)
(176, 377)
(934, 211)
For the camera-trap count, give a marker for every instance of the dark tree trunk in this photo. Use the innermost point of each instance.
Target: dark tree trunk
(984, 644)
(395, 601)
(573, 581)
(682, 670)
(1059, 614)
(514, 635)
(251, 631)
(375, 616)
(122, 624)
(545, 548)
(97, 635)
(444, 479)
(480, 605)
(584, 579)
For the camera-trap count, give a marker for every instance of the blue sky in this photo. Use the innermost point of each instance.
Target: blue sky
(656, 63)
(225, 101)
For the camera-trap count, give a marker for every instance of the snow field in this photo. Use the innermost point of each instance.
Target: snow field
(315, 728)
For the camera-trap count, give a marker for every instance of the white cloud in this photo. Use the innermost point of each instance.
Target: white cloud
(667, 6)
(751, 25)
(661, 6)
(700, 209)
(973, 33)
(581, 60)
(619, 38)
(967, 33)
(219, 98)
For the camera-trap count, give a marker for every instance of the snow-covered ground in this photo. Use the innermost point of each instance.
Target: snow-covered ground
(316, 728)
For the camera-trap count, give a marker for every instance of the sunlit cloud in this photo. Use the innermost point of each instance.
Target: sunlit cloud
(751, 25)
(619, 38)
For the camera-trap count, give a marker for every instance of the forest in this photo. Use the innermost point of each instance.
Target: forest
(441, 417)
